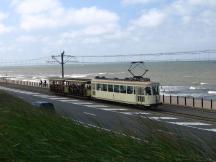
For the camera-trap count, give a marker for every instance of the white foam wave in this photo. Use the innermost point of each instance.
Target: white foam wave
(212, 92)
(192, 88)
(202, 83)
(77, 75)
(101, 73)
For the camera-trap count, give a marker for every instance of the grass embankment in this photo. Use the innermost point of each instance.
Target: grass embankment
(27, 134)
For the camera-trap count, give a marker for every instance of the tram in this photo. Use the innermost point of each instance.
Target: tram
(142, 92)
(136, 90)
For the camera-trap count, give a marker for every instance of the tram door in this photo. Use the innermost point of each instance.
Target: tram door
(140, 97)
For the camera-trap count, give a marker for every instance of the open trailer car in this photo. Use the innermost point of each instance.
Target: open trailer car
(71, 86)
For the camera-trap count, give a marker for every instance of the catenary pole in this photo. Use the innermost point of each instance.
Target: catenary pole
(62, 63)
(60, 60)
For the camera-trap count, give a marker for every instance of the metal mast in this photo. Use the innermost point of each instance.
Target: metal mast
(60, 60)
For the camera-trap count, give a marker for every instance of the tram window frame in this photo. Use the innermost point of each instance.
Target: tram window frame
(115, 90)
(104, 87)
(157, 89)
(110, 87)
(140, 90)
(130, 90)
(147, 92)
(93, 86)
(122, 89)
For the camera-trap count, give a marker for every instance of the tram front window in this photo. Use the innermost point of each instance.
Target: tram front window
(148, 90)
(155, 90)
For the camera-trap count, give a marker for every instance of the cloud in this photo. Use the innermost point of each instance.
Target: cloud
(27, 39)
(37, 7)
(129, 2)
(152, 18)
(43, 14)
(202, 2)
(3, 16)
(151, 26)
(143, 2)
(3, 28)
(92, 34)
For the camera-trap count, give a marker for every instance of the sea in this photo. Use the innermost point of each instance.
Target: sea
(177, 78)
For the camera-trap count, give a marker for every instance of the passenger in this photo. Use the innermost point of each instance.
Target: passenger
(40, 84)
(45, 83)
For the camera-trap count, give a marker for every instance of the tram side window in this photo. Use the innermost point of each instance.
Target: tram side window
(110, 88)
(148, 90)
(99, 87)
(129, 89)
(122, 89)
(104, 87)
(116, 88)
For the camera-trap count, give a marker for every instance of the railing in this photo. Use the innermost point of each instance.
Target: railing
(189, 102)
(24, 83)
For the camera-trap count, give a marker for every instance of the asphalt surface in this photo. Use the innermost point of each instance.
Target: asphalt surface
(130, 120)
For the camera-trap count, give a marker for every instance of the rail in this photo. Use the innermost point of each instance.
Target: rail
(189, 102)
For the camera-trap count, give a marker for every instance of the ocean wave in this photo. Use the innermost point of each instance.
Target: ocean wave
(77, 75)
(192, 88)
(101, 73)
(201, 88)
(212, 92)
(188, 76)
(202, 83)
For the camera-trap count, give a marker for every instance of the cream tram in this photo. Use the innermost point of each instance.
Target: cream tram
(137, 92)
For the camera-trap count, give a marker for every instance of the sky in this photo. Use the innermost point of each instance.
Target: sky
(37, 28)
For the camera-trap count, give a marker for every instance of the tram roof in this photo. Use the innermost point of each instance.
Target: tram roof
(69, 79)
(124, 81)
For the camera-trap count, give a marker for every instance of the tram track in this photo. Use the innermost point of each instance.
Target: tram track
(190, 115)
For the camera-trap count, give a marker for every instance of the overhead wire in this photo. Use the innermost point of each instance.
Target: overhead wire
(45, 59)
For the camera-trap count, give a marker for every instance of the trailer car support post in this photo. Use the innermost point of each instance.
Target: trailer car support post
(211, 104)
(62, 63)
(193, 102)
(177, 100)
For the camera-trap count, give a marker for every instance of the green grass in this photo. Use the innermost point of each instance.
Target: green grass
(27, 134)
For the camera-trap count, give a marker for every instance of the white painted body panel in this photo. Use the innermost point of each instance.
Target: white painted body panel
(147, 100)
